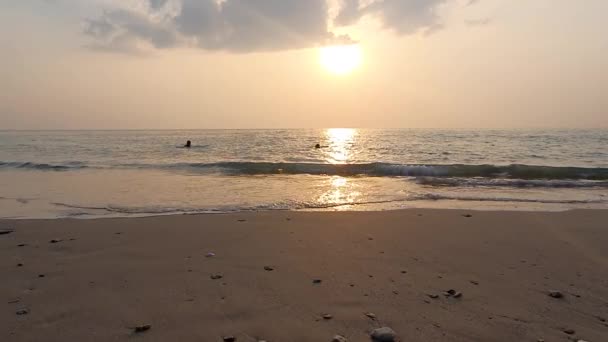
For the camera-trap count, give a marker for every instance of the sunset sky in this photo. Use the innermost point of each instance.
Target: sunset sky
(103, 64)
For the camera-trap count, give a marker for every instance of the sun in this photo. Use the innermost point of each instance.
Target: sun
(341, 59)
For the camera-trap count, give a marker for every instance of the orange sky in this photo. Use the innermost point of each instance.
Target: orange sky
(437, 63)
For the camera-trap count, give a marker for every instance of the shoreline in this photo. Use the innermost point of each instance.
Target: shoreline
(329, 210)
(102, 277)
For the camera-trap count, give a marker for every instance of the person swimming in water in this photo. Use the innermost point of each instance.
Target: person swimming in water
(188, 144)
(317, 146)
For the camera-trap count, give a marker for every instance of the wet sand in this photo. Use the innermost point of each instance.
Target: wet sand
(102, 278)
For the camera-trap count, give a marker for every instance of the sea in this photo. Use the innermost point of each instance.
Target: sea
(97, 174)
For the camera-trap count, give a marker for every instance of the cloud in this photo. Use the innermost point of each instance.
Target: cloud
(233, 25)
(400, 16)
(249, 25)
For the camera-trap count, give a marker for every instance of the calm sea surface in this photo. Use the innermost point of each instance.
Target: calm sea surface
(91, 174)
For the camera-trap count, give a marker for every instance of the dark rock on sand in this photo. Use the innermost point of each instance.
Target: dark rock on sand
(316, 281)
(467, 215)
(55, 241)
(142, 328)
(339, 338)
(21, 312)
(384, 334)
(229, 338)
(569, 331)
(21, 245)
(19, 265)
(216, 276)
(5, 231)
(556, 294)
(41, 276)
(327, 316)
(268, 268)
(474, 282)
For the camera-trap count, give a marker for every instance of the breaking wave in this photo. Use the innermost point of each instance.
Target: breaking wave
(43, 166)
(395, 170)
(437, 171)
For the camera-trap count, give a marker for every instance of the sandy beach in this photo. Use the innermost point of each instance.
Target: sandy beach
(304, 276)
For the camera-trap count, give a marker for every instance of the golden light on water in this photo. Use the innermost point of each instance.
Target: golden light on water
(341, 59)
(341, 192)
(341, 141)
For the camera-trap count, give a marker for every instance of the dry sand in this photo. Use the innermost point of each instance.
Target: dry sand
(107, 276)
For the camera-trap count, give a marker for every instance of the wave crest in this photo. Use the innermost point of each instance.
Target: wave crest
(515, 171)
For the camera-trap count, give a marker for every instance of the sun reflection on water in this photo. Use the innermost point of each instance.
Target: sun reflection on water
(340, 141)
(342, 193)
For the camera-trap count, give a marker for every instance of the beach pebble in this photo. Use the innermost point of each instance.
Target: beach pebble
(370, 315)
(55, 241)
(41, 276)
(21, 245)
(339, 338)
(316, 281)
(467, 215)
(210, 255)
(142, 328)
(384, 334)
(5, 231)
(242, 220)
(569, 331)
(229, 338)
(555, 294)
(327, 316)
(21, 312)
(474, 282)
(19, 265)
(216, 276)
(268, 268)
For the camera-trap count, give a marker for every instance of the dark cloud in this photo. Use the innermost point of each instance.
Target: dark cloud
(234, 25)
(251, 25)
